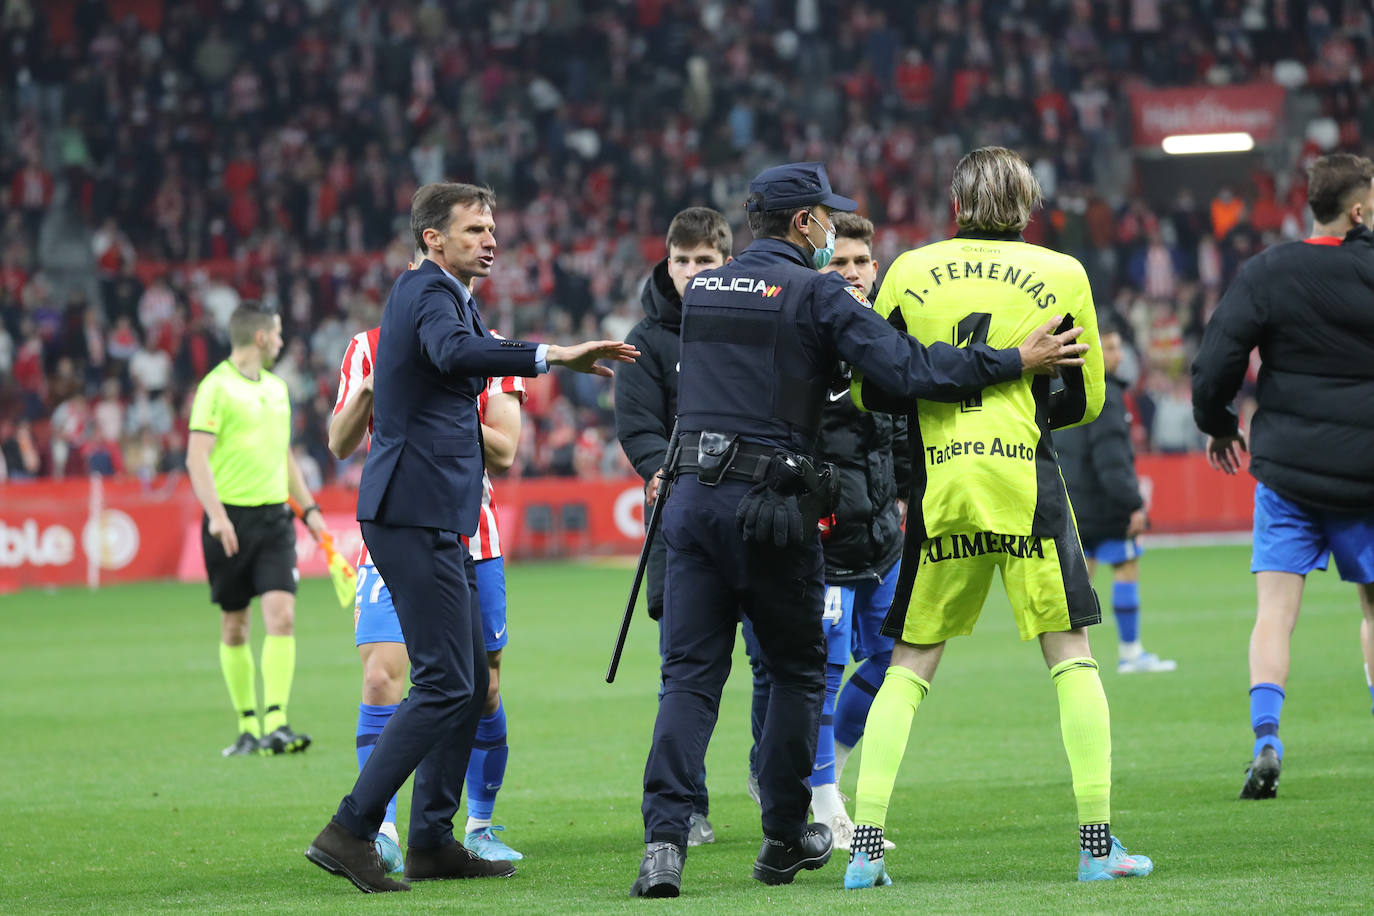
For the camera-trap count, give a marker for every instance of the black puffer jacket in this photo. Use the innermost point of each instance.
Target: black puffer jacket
(1309, 307)
(1098, 464)
(870, 452)
(646, 390)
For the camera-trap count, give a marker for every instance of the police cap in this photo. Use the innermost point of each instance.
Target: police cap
(796, 184)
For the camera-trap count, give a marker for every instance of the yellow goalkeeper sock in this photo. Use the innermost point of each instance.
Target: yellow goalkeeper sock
(1085, 724)
(278, 669)
(885, 736)
(237, 664)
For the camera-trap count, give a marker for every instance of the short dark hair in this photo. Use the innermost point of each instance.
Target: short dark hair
(1333, 180)
(770, 224)
(701, 226)
(432, 206)
(853, 226)
(250, 317)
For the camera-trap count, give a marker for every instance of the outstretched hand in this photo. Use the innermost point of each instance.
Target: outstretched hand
(1045, 352)
(584, 357)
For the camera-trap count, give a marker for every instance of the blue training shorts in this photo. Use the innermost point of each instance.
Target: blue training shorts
(491, 594)
(1293, 538)
(374, 616)
(854, 618)
(1113, 551)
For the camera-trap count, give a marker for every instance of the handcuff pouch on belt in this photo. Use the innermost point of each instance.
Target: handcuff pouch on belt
(715, 452)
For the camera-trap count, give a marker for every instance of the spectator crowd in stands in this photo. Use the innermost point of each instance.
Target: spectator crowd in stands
(156, 169)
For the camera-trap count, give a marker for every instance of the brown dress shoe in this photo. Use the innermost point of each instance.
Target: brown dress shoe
(452, 861)
(341, 853)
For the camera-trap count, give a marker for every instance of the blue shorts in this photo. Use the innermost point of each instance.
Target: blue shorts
(491, 594)
(1296, 539)
(854, 618)
(1113, 551)
(374, 616)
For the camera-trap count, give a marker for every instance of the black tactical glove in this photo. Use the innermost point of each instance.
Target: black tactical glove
(768, 517)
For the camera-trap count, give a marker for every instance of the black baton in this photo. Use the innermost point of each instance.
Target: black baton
(654, 515)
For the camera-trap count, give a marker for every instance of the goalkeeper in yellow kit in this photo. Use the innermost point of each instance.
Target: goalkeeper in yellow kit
(987, 494)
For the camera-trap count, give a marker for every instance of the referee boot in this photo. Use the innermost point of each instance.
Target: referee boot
(660, 872)
(341, 853)
(246, 744)
(451, 862)
(282, 740)
(779, 862)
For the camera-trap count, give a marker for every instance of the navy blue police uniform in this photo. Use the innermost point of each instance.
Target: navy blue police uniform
(762, 338)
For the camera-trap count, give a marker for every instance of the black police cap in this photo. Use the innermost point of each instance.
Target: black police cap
(796, 184)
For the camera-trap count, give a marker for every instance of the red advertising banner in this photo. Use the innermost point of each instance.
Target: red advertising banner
(1254, 108)
(76, 532)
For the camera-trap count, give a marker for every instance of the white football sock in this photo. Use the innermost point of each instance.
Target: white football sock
(826, 803)
(1129, 651)
(389, 829)
(474, 824)
(842, 752)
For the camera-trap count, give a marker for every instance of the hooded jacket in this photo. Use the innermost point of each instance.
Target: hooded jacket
(646, 390)
(873, 460)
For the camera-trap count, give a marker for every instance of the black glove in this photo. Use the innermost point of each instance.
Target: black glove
(768, 517)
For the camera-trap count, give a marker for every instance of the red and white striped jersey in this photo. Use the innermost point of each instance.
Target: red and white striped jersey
(357, 365)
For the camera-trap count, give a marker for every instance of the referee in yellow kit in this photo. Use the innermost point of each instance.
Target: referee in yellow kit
(239, 460)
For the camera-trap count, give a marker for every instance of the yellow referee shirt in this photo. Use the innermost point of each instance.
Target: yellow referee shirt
(989, 462)
(251, 423)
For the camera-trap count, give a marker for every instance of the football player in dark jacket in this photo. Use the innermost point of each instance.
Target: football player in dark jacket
(1309, 308)
(1098, 464)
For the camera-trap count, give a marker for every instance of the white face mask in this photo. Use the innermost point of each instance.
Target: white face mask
(820, 257)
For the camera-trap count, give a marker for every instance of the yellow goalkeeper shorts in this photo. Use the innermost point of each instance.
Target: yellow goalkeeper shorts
(1046, 580)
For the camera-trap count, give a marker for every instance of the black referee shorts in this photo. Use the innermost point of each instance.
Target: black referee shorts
(266, 560)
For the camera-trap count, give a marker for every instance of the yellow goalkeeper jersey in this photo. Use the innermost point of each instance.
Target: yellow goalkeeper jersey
(989, 462)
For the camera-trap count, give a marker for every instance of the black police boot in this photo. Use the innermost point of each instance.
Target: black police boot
(779, 862)
(660, 874)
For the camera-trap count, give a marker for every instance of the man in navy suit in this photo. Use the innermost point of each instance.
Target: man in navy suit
(421, 489)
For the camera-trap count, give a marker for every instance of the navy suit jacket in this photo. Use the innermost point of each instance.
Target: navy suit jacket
(424, 467)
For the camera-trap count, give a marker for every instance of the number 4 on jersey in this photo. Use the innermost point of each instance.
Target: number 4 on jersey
(973, 329)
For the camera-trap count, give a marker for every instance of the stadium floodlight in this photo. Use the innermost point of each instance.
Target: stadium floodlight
(1192, 144)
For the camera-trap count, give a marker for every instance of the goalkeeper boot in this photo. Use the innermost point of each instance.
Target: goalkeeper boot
(1262, 776)
(283, 740)
(489, 846)
(865, 872)
(388, 848)
(1116, 864)
(246, 745)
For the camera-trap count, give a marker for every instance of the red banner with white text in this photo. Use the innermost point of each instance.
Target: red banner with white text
(75, 532)
(1254, 109)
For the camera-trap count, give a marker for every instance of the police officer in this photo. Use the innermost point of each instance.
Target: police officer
(762, 338)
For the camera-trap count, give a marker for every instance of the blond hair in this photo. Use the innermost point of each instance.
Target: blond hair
(993, 190)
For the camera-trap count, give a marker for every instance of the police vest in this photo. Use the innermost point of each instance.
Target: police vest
(744, 368)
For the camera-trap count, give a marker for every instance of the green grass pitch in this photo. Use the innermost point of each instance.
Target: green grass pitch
(116, 799)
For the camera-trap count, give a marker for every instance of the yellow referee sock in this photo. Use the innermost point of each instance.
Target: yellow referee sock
(278, 670)
(1085, 724)
(237, 664)
(885, 736)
